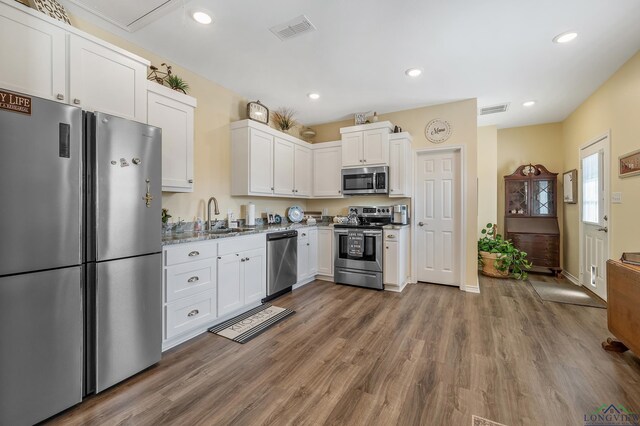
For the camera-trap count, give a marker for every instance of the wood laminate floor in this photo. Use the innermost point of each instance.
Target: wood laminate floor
(432, 355)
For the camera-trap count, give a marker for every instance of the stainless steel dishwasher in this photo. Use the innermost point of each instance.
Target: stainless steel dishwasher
(282, 262)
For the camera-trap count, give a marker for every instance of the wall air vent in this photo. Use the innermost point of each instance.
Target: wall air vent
(293, 28)
(494, 109)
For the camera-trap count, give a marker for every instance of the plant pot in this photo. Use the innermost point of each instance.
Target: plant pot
(488, 265)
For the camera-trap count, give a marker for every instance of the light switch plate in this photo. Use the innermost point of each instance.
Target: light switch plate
(616, 197)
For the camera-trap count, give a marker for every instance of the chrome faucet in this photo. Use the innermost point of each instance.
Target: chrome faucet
(216, 212)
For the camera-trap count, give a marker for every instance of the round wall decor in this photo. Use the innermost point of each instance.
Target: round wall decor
(437, 130)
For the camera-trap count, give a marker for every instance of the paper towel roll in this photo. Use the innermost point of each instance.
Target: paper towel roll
(251, 214)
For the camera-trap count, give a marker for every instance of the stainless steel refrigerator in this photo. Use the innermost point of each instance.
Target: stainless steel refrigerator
(80, 263)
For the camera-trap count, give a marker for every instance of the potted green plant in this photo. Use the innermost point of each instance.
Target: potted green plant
(499, 258)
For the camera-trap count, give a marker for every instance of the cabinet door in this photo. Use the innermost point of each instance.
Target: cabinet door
(375, 147)
(312, 245)
(325, 252)
(230, 291)
(303, 255)
(390, 263)
(255, 275)
(327, 163)
(260, 162)
(103, 79)
(396, 168)
(176, 121)
(352, 149)
(33, 55)
(283, 168)
(304, 171)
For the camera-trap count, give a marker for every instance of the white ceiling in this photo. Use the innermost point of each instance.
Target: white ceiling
(495, 50)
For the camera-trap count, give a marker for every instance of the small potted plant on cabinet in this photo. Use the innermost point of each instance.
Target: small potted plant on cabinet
(499, 258)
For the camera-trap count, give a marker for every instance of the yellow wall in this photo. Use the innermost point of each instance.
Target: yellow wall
(463, 118)
(217, 107)
(487, 176)
(615, 106)
(539, 144)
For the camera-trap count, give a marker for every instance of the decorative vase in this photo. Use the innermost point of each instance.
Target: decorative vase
(489, 267)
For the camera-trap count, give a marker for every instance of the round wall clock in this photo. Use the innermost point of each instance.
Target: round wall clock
(437, 130)
(258, 112)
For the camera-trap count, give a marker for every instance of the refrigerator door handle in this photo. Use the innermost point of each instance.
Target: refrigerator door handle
(147, 197)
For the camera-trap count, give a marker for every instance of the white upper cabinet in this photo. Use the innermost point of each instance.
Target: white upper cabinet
(174, 113)
(283, 168)
(268, 162)
(352, 149)
(366, 145)
(33, 55)
(400, 165)
(106, 80)
(303, 161)
(327, 165)
(50, 59)
(261, 162)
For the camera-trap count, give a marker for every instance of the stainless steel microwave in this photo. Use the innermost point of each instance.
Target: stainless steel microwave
(365, 180)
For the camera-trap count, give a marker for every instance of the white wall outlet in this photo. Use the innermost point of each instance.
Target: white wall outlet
(616, 197)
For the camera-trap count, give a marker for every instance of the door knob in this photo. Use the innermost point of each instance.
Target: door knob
(420, 223)
(605, 229)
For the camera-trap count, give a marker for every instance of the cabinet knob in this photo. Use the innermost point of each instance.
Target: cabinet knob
(76, 101)
(190, 180)
(391, 236)
(387, 247)
(194, 253)
(193, 279)
(272, 188)
(193, 313)
(242, 260)
(339, 191)
(246, 259)
(307, 243)
(60, 97)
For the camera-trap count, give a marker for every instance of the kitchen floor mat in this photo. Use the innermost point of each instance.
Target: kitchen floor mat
(245, 327)
(565, 293)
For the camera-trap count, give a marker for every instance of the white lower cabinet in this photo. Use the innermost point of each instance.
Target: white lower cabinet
(208, 282)
(307, 254)
(242, 272)
(396, 258)
(325, 252)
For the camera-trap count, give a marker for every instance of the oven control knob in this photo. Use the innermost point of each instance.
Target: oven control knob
(378, 210)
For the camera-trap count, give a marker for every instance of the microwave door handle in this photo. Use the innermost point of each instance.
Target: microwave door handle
(375, 182)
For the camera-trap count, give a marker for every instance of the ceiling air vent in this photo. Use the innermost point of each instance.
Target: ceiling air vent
(494, 109)
(293, 28)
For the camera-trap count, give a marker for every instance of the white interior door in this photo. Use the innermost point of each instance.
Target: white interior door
(437, 214)
(594, 214)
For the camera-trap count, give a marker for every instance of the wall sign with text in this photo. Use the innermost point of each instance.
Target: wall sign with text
(437, 130)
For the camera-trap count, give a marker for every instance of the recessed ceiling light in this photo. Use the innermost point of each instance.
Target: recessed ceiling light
(314, 96)
(413, 72)
(565, 37)
(529, 103)
(202, 18)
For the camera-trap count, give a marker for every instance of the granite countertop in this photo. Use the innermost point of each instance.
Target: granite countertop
(190, 236)
(394, 226)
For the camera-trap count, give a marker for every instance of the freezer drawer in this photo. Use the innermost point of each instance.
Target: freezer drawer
(41, 345)
(128, 328)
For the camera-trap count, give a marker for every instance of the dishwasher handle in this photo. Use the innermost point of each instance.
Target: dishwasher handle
(281, 235)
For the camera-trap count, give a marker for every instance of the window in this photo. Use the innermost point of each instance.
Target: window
(591, 194)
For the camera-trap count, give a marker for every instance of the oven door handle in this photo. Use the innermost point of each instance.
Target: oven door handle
(364, 231)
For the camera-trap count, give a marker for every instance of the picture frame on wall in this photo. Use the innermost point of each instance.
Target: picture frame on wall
(51, 8)
(570, 184)
(629, 164)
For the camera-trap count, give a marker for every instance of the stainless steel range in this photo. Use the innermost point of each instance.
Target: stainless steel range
(358, 251)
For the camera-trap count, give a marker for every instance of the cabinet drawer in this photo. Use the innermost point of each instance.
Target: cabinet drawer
(238, 244)
(189, 278)
(182, 253)
(186, 314)
(392, 235)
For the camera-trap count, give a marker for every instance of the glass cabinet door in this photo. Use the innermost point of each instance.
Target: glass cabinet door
(517, 198)
(543, 198)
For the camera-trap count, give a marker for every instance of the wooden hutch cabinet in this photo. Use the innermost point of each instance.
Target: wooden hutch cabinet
(530, 217)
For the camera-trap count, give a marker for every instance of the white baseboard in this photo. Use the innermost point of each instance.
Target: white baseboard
(470, 289)
(395, 288)
(571, 278)
(304, 282)
(324, 278)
